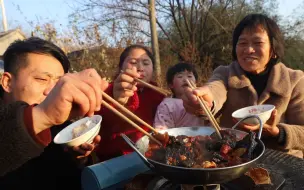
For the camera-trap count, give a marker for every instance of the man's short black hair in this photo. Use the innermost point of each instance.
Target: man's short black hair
(178, 68)
(270, 26)
(15, 55)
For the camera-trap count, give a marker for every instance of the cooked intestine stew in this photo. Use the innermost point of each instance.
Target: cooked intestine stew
(202, 151)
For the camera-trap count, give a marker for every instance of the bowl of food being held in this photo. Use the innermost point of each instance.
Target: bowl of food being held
(263, 111)
(79, 132)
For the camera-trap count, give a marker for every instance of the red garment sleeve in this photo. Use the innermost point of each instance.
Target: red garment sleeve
(44, 137)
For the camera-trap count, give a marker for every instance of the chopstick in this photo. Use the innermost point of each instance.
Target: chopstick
(104, 103)
(157, 89)
(207, 111)
(110, 99)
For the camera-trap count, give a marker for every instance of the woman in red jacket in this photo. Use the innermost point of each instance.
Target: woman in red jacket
(137, 62)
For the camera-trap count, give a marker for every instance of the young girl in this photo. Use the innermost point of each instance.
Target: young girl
(135, 61)
(171, 112)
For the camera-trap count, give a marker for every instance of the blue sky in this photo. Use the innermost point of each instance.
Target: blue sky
(21, 12)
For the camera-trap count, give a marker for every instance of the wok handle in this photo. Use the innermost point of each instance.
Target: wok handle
(252, 116)
(132, 144)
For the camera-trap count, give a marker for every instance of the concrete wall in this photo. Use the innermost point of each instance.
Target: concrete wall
(6, 40)
(1, 67)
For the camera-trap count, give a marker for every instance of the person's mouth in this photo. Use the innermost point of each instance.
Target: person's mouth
(250, 59)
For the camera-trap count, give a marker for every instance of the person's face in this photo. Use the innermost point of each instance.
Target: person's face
(138, 58)
(253, 50)
(34, 82)
(179, 83)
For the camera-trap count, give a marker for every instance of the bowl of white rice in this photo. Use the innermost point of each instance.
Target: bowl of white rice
(79, 132)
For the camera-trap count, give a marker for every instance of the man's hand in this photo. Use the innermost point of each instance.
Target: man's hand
(74, 95)
(269, 128)
(85, 149)
(190, 99)
(124, 85)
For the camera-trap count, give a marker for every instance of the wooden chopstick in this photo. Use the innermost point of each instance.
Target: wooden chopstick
(157, 89)
(104, 103)
(110, 99)
(207, 111)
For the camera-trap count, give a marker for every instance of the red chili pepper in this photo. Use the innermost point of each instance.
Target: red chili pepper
(149, 154)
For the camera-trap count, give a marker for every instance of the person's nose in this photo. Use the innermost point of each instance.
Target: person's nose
(249, 49)
(139, 67)
(49, 88)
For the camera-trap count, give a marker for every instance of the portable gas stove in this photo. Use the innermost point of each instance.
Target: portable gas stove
(244, 182)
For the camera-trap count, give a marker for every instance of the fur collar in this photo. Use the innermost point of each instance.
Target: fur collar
(279, 81)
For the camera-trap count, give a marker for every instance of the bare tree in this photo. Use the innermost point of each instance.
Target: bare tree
(197, 31)
(154, 38)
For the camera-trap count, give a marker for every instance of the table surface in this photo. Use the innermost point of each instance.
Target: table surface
(289, 167)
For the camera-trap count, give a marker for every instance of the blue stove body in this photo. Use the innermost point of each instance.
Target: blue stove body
(112, 174)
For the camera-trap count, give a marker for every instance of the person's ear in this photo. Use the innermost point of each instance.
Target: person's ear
(6, 82)
(273, 54)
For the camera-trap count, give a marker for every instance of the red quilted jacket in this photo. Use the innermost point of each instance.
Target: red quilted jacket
(144, 105)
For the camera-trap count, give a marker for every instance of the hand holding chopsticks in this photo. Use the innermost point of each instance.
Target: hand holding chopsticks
(207, 111)
(155, 88)
(110, 99)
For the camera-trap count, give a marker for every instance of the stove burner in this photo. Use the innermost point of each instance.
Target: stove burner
(164, 184)
(201, 187)
(241, 183)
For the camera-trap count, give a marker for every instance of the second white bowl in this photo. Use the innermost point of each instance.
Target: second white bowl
(263, 111)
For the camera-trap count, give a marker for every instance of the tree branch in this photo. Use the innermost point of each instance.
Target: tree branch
(176, 24)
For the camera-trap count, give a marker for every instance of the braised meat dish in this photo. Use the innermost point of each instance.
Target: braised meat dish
(202, 151)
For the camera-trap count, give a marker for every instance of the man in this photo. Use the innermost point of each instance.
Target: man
(36, 94)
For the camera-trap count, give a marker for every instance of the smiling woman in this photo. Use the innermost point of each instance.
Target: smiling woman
(256, 42)
(256, 77)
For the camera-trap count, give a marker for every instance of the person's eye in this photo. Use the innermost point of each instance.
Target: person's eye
(179, 76)
(258, 43)
(132, 61)
(242, 43)
(41, 79)
(147, 62)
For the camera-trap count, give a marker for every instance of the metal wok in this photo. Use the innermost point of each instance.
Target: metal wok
(198, 176)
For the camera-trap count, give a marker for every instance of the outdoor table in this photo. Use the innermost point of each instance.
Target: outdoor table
(115, 173)
(289, 167)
